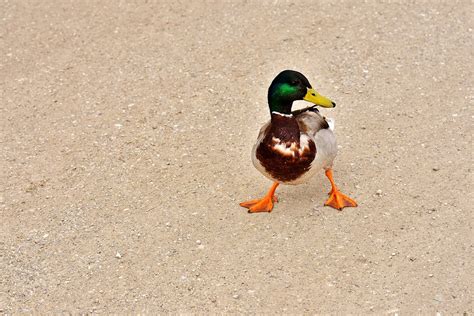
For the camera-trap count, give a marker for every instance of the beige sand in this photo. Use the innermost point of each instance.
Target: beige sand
(126, 132)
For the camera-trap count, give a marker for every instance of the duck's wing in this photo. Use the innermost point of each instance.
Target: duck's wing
(320, 130)
(309, 108)
(311, 122)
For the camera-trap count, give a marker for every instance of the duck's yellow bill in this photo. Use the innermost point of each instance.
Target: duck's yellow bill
(315, 98)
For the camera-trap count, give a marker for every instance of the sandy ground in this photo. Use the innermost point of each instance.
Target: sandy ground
(126, 132)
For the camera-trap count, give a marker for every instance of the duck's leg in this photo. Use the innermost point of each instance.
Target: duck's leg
(336, 199)
(264, 204)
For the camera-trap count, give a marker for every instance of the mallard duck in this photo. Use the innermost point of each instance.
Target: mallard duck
(294, 145)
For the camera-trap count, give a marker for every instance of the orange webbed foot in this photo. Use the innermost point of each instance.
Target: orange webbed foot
(336, 199)
(251, 203)
(264, 204)
(339, 200)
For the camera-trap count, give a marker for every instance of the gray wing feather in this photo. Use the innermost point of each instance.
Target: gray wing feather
(311, 122)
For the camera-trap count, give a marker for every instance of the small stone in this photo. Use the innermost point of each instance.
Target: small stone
(198, 242)
(168, 224)
(435, 168)
(431, 275)
(236, 296)
(378, 192)
(118, 255)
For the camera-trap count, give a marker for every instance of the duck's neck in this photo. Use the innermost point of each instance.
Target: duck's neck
(280, 106)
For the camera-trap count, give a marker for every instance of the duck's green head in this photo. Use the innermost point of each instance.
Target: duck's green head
(291, 86)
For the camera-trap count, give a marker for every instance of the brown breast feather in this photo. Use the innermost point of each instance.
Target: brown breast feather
(281, 153)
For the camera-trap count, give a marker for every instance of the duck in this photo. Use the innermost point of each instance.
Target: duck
(294, 145)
